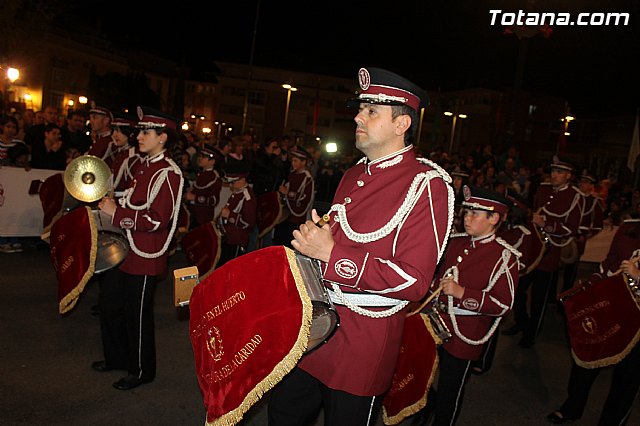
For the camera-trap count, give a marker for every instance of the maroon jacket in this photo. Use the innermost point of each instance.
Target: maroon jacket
(562, 208)
(592, 219)
(488, 271)
(121, 160)
(100, 145)
(207, 189)
(150, 229)
(390, 220)
(299, 198)
(237, 227)
(624, 246)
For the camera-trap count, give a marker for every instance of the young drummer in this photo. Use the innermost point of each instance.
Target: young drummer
(204, 195)
(238, 216)
(477, 282)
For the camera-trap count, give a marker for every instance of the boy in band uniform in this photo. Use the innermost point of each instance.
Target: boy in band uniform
(204, 195)
(238, 216)
(298, 193)
(478, 280)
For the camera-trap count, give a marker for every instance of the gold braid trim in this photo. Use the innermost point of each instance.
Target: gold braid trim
(604, 362)
(290, 360)
(69, 301)
(218, 253)
(422, 402)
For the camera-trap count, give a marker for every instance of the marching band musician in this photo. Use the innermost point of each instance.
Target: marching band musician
(238, 216)
(389, 224)
(590, 224)
(557, 211)
(100, 119)
(147, 213)
(478, 280)
(622, 256)
(121, 153)
(298, 194)
(204, 195)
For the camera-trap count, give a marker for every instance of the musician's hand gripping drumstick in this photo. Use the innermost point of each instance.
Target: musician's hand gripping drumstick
(313, 239)
(323, 220)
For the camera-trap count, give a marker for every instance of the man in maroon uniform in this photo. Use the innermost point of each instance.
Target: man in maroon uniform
(148, 214)
(623, 255)
(298, 194)
(204, 195)
(477, 283)
(590, 224)
(557, 211)
(100, 119)
(389, 224)
(238, 216)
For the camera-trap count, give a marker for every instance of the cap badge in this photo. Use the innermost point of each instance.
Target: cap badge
(556, 160)
(364, 78)
(466, 192)
(140, 113)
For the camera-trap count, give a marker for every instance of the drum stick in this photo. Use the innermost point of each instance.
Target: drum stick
(323, 220)
(426, 302)
(632, 260)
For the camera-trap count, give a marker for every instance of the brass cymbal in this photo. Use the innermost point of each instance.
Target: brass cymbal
(87, 178)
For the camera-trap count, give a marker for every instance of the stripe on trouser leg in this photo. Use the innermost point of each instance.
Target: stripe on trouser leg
(373, 400)
(455, 409)
(144, 288)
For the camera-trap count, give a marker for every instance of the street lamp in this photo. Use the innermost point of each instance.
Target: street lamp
(453, 126)
(290, 89)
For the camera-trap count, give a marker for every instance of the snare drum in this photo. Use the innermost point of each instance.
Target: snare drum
(325, 316)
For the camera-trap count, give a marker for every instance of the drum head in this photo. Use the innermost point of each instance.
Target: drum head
(112, 250)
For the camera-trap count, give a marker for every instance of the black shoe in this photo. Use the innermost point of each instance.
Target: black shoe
(558, 418)
(129, 382)
(526, 342)
(101, 366)
(512, 331)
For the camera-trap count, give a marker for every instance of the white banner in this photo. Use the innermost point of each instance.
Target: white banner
(20, 213)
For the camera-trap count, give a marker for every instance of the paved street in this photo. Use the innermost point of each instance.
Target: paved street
(45, 358)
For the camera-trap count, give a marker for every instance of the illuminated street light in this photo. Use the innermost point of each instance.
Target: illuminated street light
(83, 100)
(290, 89)
(13, 74)
(453, 126)
(331, 147)
(185, 126)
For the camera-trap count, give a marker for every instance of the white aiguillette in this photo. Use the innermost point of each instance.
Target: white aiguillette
(184, 280)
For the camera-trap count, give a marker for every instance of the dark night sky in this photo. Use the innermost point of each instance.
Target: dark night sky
(446, 46)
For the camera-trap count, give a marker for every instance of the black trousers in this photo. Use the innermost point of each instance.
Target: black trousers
(127, 324)
(299, 397)
(450, 391)
(540, 283)
(622, 393)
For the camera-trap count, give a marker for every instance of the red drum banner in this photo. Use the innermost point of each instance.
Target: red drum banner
(73, 244)
(249, 326)
(415, 371)
(603, 322)
(202, 247)
(270, 212)
(52, 195)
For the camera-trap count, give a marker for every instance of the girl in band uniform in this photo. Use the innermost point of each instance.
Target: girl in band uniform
(147, 213)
